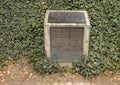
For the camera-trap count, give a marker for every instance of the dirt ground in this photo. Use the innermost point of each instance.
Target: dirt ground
(21, 73)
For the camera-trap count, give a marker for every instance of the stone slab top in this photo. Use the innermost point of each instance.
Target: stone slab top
(61, 18)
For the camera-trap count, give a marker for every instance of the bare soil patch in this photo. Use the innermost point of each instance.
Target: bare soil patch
(21, 73)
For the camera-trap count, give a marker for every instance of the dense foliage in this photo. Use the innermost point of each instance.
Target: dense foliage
(21, 33)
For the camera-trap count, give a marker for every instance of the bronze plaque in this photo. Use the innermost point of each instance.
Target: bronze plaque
(67, 17)
(66, 44)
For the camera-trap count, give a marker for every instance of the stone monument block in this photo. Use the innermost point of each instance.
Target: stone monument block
(66, 34)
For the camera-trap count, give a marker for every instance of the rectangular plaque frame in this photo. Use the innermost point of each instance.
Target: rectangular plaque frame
(67, 19)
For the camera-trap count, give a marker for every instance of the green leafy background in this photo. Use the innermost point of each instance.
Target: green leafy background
(21, 33)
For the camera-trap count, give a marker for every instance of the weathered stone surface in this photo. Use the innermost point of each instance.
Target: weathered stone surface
(66, 35)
